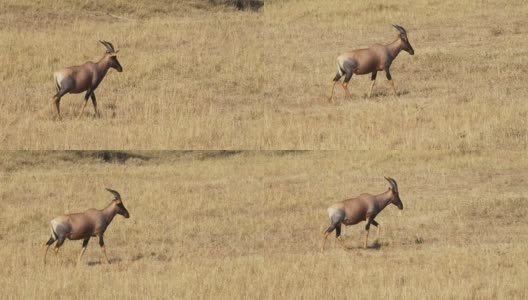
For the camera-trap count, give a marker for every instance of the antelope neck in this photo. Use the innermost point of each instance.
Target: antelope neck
(102, 66)
(394, 48)
(384, 199)
(109, 213)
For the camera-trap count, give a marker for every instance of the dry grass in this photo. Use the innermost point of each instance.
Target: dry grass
(241, 225)
(234, 225)
(198, 76)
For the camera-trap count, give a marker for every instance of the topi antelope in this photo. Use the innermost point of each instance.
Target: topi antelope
(90, 223)
(371, 60)
(364, 207)
(85, 78)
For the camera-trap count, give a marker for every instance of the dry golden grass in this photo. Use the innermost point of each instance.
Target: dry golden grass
(248, 225)
(198, 76)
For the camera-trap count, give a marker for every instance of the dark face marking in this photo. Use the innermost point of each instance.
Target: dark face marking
(114, 63)
(122, 210)
(397, 201)
(407, 45)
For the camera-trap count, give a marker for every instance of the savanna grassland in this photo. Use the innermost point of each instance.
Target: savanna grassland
(204, 76)
(239, 225)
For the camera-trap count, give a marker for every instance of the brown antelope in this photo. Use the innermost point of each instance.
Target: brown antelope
(90, 223)
(364, 207)
(85, 78)
(371, 60)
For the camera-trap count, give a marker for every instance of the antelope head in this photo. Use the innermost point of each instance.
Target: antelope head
(120, 207)
(395, 194)
(111, 56)
(406, 45)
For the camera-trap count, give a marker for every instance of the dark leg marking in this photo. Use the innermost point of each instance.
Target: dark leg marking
(94, 103)
(85, 242)
(60, 241)
(338, 230)
(337, 77)
(87, 95)
(348, 76)
(388, 74)
(367, 227)
(50, 241)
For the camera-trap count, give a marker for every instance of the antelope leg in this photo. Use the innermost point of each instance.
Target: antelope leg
(371, 88)
(82, 109)
(373, 81)
(373, 222)
(336, 79)
(80, 255)
(48, 244)
(45, 253)
(103, 249)
(347, 92)
(370, 220)
(84, 246)
(94, 102)
(56, 101)
(393, 87)
(332, 93)
(324, 240)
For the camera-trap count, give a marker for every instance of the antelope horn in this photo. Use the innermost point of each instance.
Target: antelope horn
(400, 29)
(115, 193)
(113, 49)
(108, 45)
(395, 184)
(392, 182)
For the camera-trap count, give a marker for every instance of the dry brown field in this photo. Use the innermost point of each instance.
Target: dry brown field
(240, 225)
(199, 76)
(237, 224)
